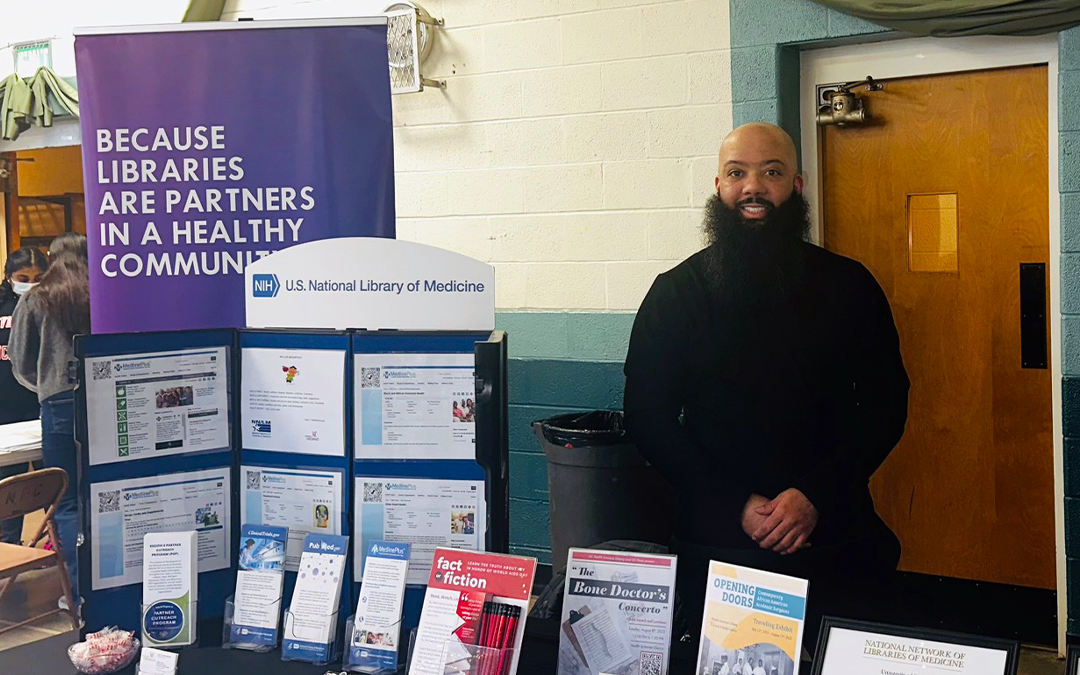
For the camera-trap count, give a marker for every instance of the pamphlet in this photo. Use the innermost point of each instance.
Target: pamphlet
(753, 620)
(617, 613)
(257, 601)
(377, 624)
(472, 599)
(170, 588)
(311, 621)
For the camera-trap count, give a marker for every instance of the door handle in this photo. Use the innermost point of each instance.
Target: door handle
(1033, 329)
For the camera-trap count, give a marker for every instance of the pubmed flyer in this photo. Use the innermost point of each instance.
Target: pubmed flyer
(752, 618)
(141, 406)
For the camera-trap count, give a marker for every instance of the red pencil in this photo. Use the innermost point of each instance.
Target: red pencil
(509, 640)
(503, 614)
(483, 656)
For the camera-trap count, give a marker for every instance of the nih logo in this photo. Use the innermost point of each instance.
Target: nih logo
(264, 285)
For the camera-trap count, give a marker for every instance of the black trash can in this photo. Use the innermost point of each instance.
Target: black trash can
(600, 486)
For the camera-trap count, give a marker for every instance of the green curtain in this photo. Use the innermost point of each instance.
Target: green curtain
(204, 10)
(954, 18)
(34, 101)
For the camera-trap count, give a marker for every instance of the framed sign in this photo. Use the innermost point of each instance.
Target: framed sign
(1072, 661)
(847, 647)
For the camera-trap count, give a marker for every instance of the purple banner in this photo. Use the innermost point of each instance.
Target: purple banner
(204, 150)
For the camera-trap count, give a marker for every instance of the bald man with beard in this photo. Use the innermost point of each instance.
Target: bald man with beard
(764, 381)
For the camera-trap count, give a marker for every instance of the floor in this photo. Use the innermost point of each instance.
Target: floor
(37, 592)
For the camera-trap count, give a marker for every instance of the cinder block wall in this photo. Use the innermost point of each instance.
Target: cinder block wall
(573, 149)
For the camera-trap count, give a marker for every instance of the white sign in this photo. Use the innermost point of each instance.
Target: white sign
(415, 406)
(306, 502)
(140, 406)
(293, 400)
(170, 588)
(123, 511)
(864, 652)
(422, 512)
(370, 283)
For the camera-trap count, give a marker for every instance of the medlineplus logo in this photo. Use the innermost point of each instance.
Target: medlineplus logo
(264, 285)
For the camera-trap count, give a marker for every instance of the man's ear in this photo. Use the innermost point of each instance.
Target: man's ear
(717, 183)
(798, 183)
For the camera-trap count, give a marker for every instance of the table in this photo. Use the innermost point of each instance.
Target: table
(20, 442)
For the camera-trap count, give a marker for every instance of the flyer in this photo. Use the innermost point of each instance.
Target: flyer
(157, 404)
(465, 591)
(425, 513)
(170, 588)
(293, 400)
(304, 501)
(617, 613)
(415, 406)
(863, 652)
(257, 601)
(123, 511)
(753, 619)
(312, 618)
(376, 635)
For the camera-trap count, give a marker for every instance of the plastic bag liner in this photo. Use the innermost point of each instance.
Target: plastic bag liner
(576, 430)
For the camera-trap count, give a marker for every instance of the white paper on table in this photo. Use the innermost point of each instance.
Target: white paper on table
(415, 406)
(424, 513)
(20, 436)
(304, 501)
(157, 404)
(856, 652)
(122, 511)
(157, 661)
(293, 400)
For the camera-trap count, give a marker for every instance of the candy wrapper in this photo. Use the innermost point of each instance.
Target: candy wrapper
(105, 651)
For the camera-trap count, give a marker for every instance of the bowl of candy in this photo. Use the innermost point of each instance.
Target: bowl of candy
(105, 651)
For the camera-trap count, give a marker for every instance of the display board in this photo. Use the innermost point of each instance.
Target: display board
(207, 430)
(294, 430)
(154, 428)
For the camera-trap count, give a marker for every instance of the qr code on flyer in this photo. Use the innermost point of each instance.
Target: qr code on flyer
(370, 378)
(102, 370)
(254, 480)
(108, 502)
(373, 492)
(652, 663)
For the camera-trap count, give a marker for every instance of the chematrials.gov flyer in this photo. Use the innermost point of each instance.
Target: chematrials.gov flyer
(752, 618)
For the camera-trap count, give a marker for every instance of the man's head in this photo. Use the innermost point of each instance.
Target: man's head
(758, 170)
(760, 663)
(758, 217)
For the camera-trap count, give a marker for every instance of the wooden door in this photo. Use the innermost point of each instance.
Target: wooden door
(944, 198)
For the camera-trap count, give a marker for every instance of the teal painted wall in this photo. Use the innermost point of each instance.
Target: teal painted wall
(559, 362)
(765, 39)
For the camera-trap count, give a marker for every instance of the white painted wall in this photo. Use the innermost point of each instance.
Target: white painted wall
(575, 143)
(31, 21)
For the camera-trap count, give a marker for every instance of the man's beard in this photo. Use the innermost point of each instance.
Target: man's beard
(755, 261)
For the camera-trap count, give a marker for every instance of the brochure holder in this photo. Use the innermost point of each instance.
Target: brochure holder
(232, 637)
(319, 658)
(476, 660)
(358, 662)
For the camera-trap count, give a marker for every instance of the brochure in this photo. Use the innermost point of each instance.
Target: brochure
(753, 620)
(617, 613)
(377, 623)
(257, 602)
(170, 588)
(312, 619)
(474, 601)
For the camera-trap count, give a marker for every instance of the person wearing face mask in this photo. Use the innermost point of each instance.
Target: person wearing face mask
(17, 403)
(40, 348)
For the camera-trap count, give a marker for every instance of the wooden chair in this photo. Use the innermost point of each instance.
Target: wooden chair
(22, 495)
